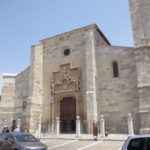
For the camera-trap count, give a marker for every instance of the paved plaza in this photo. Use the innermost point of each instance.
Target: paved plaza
(85, 142)
(60, 144)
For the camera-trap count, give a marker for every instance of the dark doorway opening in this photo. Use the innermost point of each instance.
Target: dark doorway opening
(68, 115)
(14, 125)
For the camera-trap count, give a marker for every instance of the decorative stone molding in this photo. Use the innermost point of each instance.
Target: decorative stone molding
(65, 80)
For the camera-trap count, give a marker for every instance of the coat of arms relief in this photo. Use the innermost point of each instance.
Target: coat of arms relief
(67, 79)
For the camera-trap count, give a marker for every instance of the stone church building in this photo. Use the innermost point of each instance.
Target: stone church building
(79, 73)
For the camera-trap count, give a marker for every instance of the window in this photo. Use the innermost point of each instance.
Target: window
(25, 138)
(148, 143)
(137, 144)
(66, 52)
(9, 137)
(115, 69)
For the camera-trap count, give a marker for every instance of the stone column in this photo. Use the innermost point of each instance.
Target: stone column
(130, 124)
(102, 126)
(57, 126)
(90, 70)
(78, 128)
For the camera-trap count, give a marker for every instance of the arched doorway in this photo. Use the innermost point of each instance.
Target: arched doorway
(68, 115)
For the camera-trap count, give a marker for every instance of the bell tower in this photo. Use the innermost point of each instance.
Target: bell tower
(140, 16)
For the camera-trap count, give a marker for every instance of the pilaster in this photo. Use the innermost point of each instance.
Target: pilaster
(90, 69)
(37, 87)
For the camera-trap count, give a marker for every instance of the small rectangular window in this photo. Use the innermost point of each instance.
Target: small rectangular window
(115, 69)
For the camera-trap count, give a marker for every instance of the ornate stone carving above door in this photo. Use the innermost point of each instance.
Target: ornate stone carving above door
(67, 79)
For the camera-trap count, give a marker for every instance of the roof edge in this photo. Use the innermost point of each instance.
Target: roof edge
(84, 28)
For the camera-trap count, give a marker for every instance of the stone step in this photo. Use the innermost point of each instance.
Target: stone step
(117, 137)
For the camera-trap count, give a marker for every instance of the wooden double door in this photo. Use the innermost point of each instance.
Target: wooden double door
(68, 115)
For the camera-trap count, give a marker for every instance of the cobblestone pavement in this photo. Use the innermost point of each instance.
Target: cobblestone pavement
(82, 145)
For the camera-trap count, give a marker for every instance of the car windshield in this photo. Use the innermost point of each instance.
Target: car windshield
(26, 138)
(1, 136)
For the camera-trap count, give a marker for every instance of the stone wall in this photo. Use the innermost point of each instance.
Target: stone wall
(117, 96)
(53, 58)
(88, 65)
(140, 15)
(95, 39)
(7, 101)
(22, 96)
(80, 43)
(142, 55)
(36, 84)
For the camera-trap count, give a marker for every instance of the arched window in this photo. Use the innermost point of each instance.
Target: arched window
(115, 69)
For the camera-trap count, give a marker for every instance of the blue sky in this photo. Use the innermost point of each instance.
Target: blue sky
(24, 22)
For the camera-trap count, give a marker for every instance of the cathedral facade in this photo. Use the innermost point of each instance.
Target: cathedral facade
(80, 74)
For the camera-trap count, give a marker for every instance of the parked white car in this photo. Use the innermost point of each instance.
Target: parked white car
(137, 142)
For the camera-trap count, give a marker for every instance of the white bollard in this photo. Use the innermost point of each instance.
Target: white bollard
(130, 124)
(52, 127)
(39, 130)
(18, 125)
(78, 128)
(57, 126)
(102, 126)
(39, 126)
